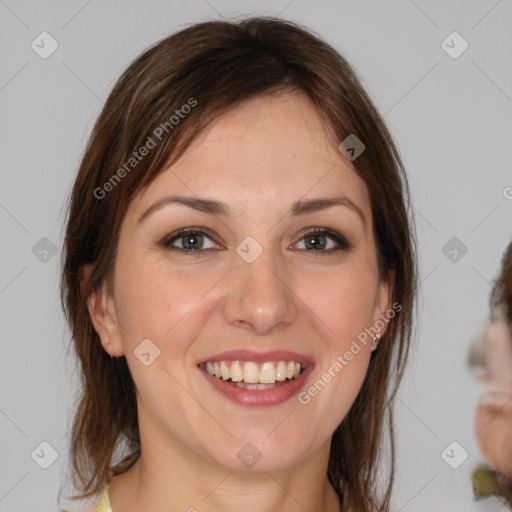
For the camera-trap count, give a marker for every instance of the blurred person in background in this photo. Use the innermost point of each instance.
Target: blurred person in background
(493, 417)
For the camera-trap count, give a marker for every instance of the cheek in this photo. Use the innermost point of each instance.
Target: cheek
(163, 305)
(343, 307)
(343, 302)
(152, 297)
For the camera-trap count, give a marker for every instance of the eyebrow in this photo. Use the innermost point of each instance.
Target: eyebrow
(209, 206)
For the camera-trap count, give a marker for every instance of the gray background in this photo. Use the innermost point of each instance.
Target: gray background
(451, 119)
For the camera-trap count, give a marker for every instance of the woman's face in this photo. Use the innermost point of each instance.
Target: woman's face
(253, 280)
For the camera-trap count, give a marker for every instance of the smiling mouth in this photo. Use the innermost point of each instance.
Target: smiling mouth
(255, 376)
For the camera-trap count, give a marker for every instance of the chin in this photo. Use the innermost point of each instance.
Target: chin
(493, 423)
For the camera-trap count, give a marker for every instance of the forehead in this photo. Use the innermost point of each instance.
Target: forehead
(268, 149)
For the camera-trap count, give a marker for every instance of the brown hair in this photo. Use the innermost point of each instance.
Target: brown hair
(218, 65)
(501, 293)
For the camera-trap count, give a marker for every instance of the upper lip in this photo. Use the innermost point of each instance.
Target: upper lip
(259, 357)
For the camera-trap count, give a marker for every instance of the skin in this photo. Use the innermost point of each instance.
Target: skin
(258, 158)
(493, 416)
(494, 437)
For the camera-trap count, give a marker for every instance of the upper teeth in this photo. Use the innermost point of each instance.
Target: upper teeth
(248, 371)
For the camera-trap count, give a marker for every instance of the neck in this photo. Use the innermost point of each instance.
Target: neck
(182, 482)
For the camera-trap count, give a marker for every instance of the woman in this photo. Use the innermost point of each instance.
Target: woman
(493, 418)
(239, 275)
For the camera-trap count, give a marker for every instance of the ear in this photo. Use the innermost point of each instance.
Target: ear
(101, 308)
(384, 299)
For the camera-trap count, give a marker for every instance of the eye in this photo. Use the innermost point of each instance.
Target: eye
(316, 240)
(190, 241)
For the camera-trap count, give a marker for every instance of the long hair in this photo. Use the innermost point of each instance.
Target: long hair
(202, 71)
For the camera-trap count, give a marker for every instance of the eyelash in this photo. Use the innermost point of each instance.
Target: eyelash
(343, 243)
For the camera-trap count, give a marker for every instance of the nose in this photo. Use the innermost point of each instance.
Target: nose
(260, 298)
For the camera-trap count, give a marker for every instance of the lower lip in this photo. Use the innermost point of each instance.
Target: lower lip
(258, 397)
